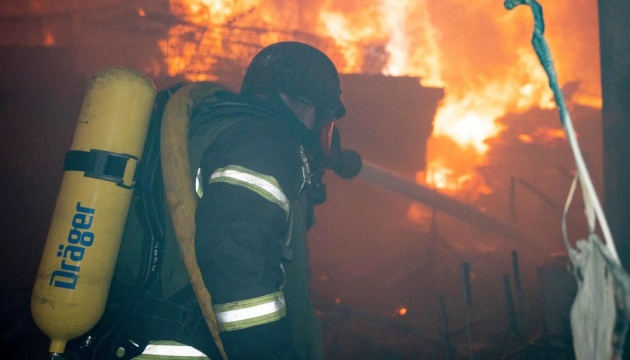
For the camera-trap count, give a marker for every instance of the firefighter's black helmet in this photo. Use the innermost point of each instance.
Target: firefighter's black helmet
(298, 70)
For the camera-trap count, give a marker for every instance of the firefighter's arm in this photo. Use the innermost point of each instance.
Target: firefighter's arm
(241, 223)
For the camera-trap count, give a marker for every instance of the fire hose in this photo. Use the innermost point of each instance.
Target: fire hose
(180, 194)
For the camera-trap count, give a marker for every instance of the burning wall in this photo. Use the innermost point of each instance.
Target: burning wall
(485, 62)
(389, 120)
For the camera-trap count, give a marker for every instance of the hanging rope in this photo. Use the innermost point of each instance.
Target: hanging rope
(544, 55)
(599, 315)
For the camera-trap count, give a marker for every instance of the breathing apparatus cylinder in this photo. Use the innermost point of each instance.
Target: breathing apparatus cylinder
(84, 237)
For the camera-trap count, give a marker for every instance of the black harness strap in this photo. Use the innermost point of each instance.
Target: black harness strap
(99, 164)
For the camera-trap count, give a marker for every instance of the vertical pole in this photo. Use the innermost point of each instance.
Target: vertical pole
(446, 338)
(519, 294)
(510, 306)
(614, 33)
(513, 198)
(467, 304)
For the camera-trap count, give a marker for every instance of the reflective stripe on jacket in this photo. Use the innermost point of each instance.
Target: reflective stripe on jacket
(251, 312)
(170, 350)
(263, 185)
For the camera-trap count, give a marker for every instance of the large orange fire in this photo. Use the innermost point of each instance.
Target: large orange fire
(478, 51)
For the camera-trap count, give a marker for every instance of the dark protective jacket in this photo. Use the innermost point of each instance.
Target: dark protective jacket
(251, 225)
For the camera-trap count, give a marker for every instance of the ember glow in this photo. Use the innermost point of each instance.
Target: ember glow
(477, 51)
(49, 40)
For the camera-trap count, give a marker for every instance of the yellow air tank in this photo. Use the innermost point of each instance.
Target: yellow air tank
(84, 237)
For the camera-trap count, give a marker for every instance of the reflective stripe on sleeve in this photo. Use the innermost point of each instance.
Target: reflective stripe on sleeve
(198, 182)
(170, 350)
(251, 312)
(264, 185)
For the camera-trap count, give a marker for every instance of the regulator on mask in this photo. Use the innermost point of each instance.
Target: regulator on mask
(328, 154)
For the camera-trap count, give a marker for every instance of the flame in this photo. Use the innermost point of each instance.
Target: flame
(546, 134)
(412, 58)
(49, 39)
(468, 116)
(419, 216)
(212, 12)
(478, 51)
(379, 33)
(347, 37)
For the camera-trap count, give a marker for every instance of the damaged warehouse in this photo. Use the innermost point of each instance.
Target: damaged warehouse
(445, 245)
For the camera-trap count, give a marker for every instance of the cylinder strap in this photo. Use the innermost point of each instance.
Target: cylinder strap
(99, 164)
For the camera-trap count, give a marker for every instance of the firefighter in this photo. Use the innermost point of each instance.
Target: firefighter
(258, 157)
(258, 189)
